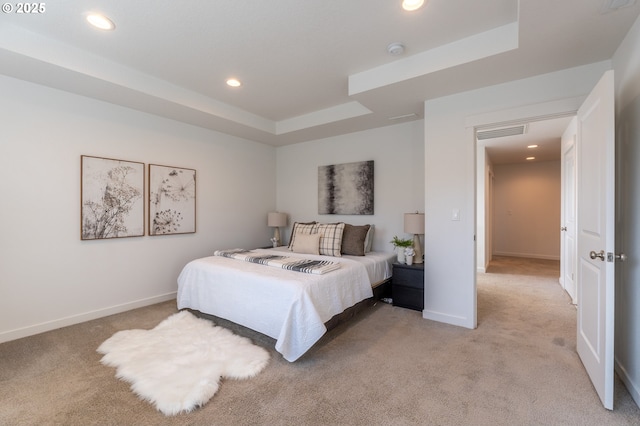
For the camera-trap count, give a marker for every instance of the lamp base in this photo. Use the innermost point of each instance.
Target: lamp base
(417, 257)
(276, 236)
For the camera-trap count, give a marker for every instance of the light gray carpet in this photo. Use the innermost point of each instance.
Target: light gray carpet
(388, 366)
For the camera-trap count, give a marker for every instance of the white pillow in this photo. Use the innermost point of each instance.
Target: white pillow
(368, 241)
(307, 244)
(302, 228)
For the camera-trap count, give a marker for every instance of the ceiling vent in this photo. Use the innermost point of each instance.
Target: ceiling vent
(400, 117)
(482, 135)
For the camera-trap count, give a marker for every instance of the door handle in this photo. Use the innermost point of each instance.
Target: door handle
(593, 255)
(564, 228)
(621, 257)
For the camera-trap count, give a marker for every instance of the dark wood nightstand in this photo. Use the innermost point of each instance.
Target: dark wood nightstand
(407, 286)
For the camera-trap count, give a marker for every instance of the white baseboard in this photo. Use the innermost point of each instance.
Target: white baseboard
(448, 319)
(87, 316)
(527, 255)
(633, 388)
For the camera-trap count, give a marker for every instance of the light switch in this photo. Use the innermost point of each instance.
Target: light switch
(455, 214)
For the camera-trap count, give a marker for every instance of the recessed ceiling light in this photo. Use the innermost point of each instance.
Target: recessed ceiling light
(531, 158)
(412, 5)
(101, 21)
(234, 82)
(532, 146)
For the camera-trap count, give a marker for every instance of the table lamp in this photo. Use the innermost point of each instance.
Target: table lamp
(414, 224)
(276, 220)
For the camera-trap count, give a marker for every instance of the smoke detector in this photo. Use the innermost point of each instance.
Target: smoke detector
(395, 49)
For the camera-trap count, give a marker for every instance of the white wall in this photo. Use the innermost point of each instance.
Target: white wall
(526, 210)
(626, 64)
(450, 181)
(397, 152)
(48, 276)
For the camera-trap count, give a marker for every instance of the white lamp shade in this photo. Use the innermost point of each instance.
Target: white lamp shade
(414, 223)
(277, 219)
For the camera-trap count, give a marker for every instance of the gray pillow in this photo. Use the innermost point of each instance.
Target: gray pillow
(353, 238)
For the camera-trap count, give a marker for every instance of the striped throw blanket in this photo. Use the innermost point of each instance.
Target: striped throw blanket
(307, 266)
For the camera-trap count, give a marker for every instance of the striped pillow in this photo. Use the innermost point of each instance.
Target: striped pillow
(331, 239)
(302, 228)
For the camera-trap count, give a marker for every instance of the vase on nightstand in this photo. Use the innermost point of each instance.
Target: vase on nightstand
(400, 252)
(409, 252)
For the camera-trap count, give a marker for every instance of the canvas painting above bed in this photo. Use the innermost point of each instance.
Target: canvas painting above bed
(346, 188)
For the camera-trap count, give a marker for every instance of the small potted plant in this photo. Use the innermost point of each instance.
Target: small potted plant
(400, 244)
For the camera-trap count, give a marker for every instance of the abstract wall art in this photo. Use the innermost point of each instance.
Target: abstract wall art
(172, 200)
(111, 193)
(346, 188)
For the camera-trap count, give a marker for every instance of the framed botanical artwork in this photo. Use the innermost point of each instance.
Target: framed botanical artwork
(172, 200)
(112, 198)
(346, 188)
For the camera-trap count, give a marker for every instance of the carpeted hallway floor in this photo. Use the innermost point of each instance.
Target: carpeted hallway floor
(522, 266)
(388, 366)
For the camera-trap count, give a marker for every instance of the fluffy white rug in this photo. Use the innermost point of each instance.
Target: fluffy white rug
(177, 366)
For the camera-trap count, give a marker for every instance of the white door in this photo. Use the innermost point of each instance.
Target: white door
(568, 227)
(595, 236)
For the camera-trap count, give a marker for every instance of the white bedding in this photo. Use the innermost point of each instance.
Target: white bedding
(288, 306)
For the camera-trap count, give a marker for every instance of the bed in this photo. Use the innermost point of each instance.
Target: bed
(294, 308)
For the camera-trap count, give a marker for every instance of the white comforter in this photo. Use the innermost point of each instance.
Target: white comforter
(288, 306)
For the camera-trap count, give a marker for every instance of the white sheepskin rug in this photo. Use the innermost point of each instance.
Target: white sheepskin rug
(177, 366)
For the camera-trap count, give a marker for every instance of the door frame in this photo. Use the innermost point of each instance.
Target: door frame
(515, 116)
(503, 118)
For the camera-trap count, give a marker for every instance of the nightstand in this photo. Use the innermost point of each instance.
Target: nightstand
(407, 286)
